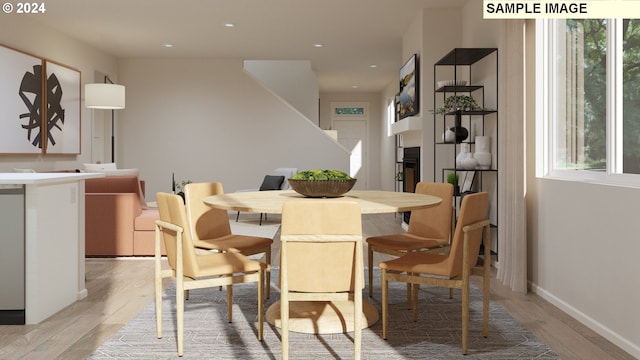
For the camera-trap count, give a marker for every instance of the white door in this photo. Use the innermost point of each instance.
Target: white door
(352, 134)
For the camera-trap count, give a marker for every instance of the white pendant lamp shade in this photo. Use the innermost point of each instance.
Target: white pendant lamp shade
(104, 96)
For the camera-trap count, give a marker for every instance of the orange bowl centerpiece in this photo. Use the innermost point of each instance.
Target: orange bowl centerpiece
(321, 183)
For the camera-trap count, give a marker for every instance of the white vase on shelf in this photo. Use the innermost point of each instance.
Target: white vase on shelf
(484, 160)
(462, 155)
(469, 162)
(483, 152)
(483, 144)
(449, 136)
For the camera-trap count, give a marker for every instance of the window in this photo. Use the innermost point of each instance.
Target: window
(631, 96)
(357, 111)
(391, 115)
(590, 98)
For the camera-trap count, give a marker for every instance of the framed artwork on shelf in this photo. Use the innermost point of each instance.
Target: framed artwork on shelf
(409, 88)
(63, 125)
(21, 85)
(467, 178)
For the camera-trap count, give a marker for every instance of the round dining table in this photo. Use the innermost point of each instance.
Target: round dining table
(322, 317)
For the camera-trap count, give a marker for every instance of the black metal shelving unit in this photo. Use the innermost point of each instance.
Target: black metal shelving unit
(460, 64)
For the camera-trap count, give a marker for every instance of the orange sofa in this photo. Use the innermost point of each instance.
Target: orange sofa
(117, 222)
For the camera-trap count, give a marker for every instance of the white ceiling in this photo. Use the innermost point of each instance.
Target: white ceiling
(355, 33)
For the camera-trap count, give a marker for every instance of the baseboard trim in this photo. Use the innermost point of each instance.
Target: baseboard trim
(82, 294)
(12, 317)
(617, 339)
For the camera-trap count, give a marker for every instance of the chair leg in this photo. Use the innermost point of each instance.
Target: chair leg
(357, 325)
(357, 302)
(486, 282)
(284, 325)
(267, 274)
(415, 301)
(158, 296)
(230, 302)
(237, 216)
(485, 307)
(465, 318)
(284, 301)
(370, 262)
(261, 307)
(385, 303)
(180, 316)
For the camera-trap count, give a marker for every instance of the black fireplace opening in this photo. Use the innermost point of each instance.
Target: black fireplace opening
(411, 172)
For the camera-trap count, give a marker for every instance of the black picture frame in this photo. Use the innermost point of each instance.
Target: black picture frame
(468, 178)
(409, 96)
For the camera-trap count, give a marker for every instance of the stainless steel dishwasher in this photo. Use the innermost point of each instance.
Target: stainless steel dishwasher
(12, 255)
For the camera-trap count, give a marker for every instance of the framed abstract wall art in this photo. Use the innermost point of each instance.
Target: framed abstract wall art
(22, 102)
(39, 105)
(62, 120)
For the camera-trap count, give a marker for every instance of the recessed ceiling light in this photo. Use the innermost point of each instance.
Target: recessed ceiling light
(318, 45)
(373, 66)
(354, 86)
(229, 25)
(168, 45)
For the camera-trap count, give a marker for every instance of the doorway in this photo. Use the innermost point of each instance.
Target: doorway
(350, 120)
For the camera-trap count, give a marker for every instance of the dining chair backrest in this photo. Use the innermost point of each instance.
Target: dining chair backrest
(205, 221)
(321, 238)
(473, 209)
(172, 210)
(433, 222)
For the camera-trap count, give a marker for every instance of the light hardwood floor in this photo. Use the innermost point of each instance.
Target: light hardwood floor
(120, 288)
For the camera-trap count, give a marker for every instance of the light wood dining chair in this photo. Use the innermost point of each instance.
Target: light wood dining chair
(451, 270)
(194, 271)
(429, 228)
(321, 259)
(211, 230)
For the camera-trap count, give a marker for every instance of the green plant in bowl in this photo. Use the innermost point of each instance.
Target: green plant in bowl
(318, 174)
(321, 183)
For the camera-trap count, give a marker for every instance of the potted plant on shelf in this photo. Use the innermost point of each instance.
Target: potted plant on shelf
(452, 178)
(458, 102)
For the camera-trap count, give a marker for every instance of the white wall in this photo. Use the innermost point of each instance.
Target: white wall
(412, 43)
(584, 254)
(435, 47)
(387, 140)
(419, 39)
(20, 33)
(209, 120)
(477, 32)
(293, 80)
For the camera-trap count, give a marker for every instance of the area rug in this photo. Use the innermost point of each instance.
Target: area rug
(436, 334)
